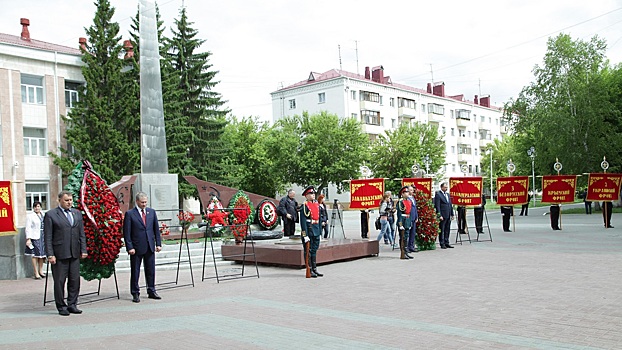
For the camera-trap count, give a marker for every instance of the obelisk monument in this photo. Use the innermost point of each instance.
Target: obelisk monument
(154, 179)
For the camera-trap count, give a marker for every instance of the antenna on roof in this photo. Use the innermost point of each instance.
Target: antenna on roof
(479, 84)
(432, 73)
(339, 49)
(356, 49)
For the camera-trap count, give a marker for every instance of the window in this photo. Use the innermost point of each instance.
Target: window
(353, 94)
(443, 130)
(470, 168)
(464, 149)
(321, 97)
(292, 104)
(391, 101)
(475, 135)
(71, 94)
(370, 96)
(453, 149)
(370, 117)
(451, 113)
(469, 133)
(476, 151)
(380, 100)
(483, 119)
(355, 116)
(496, 121)
(463, 114)
(393, 123)
(34, 142)
(490, 120)
(32, 89)
(408, 103)
(37, 193)
(452, 132)
(453, 168)
(422, 108)
(436, 108)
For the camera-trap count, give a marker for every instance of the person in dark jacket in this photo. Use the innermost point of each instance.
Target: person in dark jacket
(288, 209)
(323, 215)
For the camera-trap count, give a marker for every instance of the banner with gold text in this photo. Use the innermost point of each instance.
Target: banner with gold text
(422, 184)
(603, 187)
(7, 221)
(559, 188)
(366, 194)
(466, 191)
(512, 190)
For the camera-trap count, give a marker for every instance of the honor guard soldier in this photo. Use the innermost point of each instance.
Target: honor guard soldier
(404, 207)
(310, 225)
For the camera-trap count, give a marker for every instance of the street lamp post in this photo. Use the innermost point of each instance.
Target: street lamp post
(531, 152)
(491, 196)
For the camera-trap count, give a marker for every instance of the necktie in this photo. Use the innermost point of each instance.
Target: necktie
(69, 216)
(446, 197)
(144, 217)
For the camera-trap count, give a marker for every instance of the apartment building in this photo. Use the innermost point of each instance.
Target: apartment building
(38, 83)
(468, 126)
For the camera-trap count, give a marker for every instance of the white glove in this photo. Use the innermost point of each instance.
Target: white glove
(305, 239)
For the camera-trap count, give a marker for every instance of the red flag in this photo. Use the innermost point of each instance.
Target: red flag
(512, 190)
(603, 187)
(466, 191)
(7, 221)
(423, 184)
(559, 188)
(367, 193)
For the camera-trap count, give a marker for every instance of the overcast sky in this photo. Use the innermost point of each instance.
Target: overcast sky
(475, 47)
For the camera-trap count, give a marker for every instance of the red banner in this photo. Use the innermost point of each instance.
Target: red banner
(559, 188)
(512, 190)
(366, 194)
(7, 221)
(422, 184)
(603, 187)
(466, 191)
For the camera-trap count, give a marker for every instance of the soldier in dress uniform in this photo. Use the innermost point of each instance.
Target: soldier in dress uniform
(404, 206)
(554, 213)
(311, 227)
(506, 212)
(479, 215)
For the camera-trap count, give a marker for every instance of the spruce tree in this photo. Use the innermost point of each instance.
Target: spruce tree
(200, 104)
(101, 127)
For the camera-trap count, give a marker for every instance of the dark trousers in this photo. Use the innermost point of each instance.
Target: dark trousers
(462, 223)
(135, 261)
(325, 229)
(412, 236)
(443, 237)
(524, 209)
(289, 227)
(555, 217)
(479, 219)
(66, 271)
(364, 223)
(588, 207)
(607, 209)
(506, 212)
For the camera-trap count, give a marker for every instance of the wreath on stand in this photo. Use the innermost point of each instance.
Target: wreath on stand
(242, 215)
(267, 215)
(103, 221)
(428, 224)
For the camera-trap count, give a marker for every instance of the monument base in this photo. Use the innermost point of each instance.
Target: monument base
(163, 195)
(14, 264)
(288, 252)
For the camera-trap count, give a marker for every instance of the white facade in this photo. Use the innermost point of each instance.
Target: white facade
(468, 126)
(34, 78)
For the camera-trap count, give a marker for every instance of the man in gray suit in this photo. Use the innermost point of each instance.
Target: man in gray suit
(65, 244)
(442, 204)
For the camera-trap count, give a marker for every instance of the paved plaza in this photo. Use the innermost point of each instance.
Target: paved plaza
(533, 288)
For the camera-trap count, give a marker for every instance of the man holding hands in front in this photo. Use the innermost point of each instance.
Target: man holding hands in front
(65, 244)
(141, 233)
(442, 204)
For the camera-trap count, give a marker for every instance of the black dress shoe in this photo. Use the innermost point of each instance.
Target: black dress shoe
(507, 230)
(63, 312)
(609, 226)
(448, 246)
(154, 295)
(443, 247)
(74, 310)
(135, 298)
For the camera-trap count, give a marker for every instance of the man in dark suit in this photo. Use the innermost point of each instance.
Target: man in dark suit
(506, 213)
(141, 233)
(65, 244)
(479, 215)
(288, 209)
(442, 204)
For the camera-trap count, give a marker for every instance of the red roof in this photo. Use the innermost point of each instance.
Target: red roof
(37, 44)
(337, 73)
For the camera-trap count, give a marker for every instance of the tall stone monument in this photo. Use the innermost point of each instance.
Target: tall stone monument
(154, 179)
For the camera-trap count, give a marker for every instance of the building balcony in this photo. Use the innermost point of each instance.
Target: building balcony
(369, 105)
(435, 118)
(503, 129)
(484, 143)
(464, 157)
(405, 112)
(463, 122)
